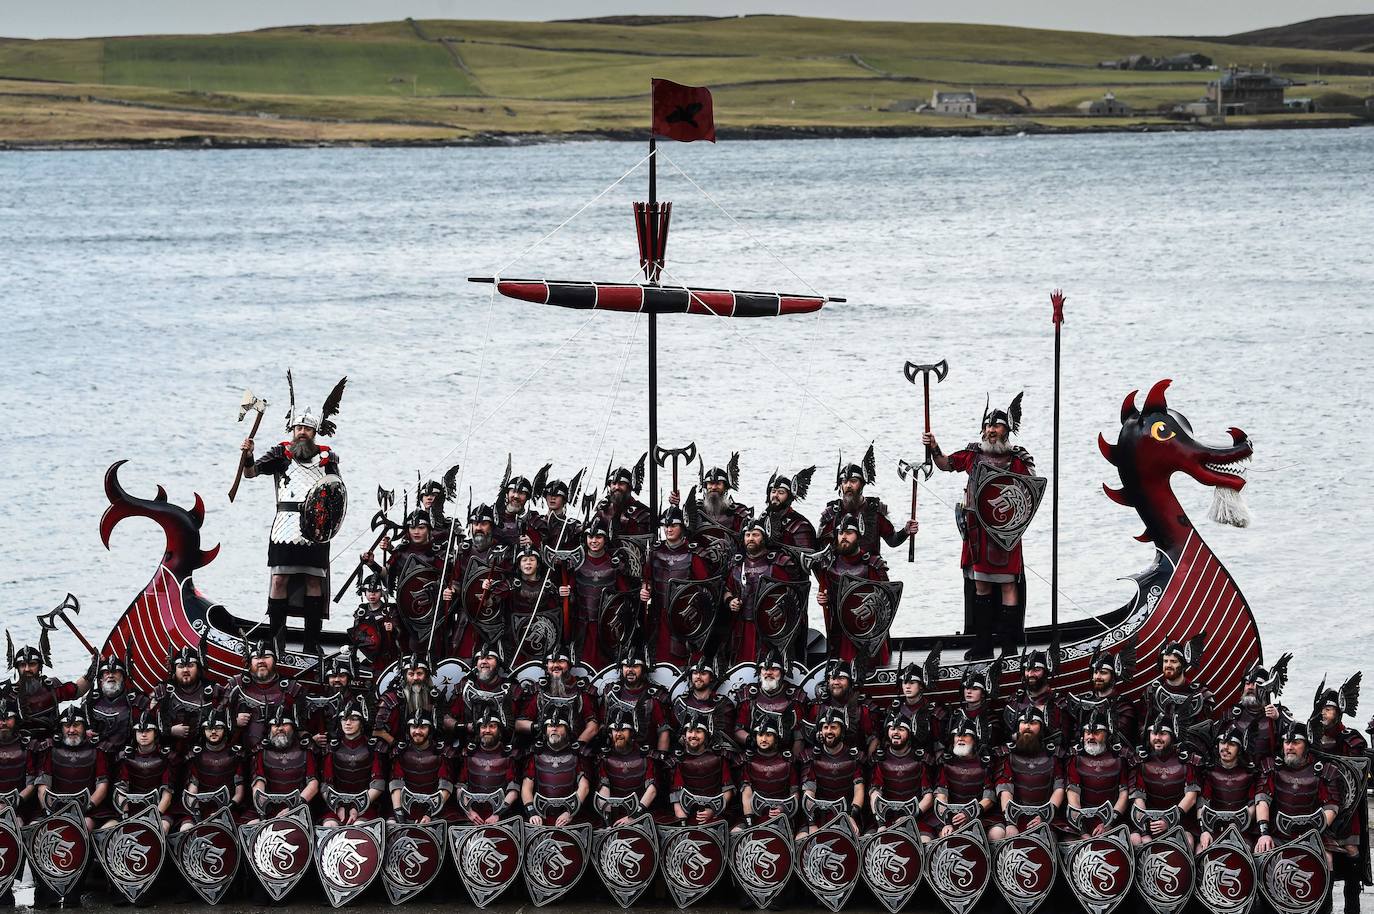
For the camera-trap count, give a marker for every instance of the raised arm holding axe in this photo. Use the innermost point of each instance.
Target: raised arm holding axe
(904, 469)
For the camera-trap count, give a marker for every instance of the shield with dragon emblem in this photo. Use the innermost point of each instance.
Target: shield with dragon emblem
(488, 857)
(1349, 774)
(1099, 869)
(1005, 502)
(892, 861)
(207, 855)
(692, 609)
(11, 847)
(614, 618)
(323, 508)
(58, 848)
(779, 608)
(1293, 877)
(412, 857)
(132, 852)
(692, 859)
(348, 858)
(555, 858)
(828, 864)
(1025, 867)
(761, 859)
(417, 592)
(1164, 872)
(865, 609)
(1225, 871)
(626, 858)
(279, 850)
(958, 867)
(485, 612)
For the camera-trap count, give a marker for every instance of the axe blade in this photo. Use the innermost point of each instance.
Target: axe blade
(661, 455)
(903, 468)
(912, 369)
(70, 602)
(689, 453)
(941, 368)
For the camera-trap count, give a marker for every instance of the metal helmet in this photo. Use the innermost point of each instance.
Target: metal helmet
(559, 651)
(839, 669)
(374, 583)
(415, 661)
(1035, 660)
(492, 650)
(432, 487)
(760, 524)
(899, 721)
(633, 653)
(1188, 652)
(40, 655)
(354, 709)
(9, 708)
(865, 472)
(489, 715)
(555, 488)
(622, 719)
(1165, 723)
(341, 664)
(975, 678)
(215, 717)
(796, 486)
(482, 513)
(850, 523)
(1236, 735)
(520, 484)
(1032, 714)
(694, 719)
(281, 716)
(1098, 719)
(419, 518)
(111, 663)
(556, 716)
(420, 717)
(772, 660)
(765, 723)
(913, 672)
(831, 715)
(702, 664)
(262, 648)
(1296, 730)
(963, 725)
(74, 713)
(1010, 417)
(183, 656)
(596, 526)
(146, 720)
(672, 514)
(1345, 700)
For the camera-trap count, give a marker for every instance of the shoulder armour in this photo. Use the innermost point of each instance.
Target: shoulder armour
(126, 752)
(1318, 767)
(208, 690)
(751, 689)
(787, 753)
(853, 751)
(196, 750)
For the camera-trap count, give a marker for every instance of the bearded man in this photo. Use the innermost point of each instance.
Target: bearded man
(721, 515)
(926, 720)
(422, 775)
(412, 693)
(597, 575)
(1035, 692)
(703, 785)
(1108, 671)
(900, 784)
(1233, 789)
(619, 510)
(1174, 693)
(848, 560)
(487, 787)
(214, 772)
(183, 699)
(515, 526)
(556, 785)
(1258, 712)
(558, 688)
(73, 766)
(112, 706)
(1165, 780)
(252, 695)
(39, 696)
(744, 576)
(283, 768)
(322, 713)
(771, 696)
(769, 779)
(483, 691)
(1030, 782)
(636, 695)
(791, 529)
(838, 695)
(1097, 778)
(1302, 794)
(16, 786)
(963, 781)
(875, 525)
(701, 697)
(832, 775)
(626, 773)
(479, 585)
(673, 558)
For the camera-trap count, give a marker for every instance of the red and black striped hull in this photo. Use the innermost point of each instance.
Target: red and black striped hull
(640, 298)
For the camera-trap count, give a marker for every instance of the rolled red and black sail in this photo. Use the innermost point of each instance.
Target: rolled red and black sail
(655, 299)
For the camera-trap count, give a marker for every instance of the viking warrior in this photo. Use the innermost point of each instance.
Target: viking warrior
(1097, 777)
(421, 775)
(430, 499)
(1233, 788)
(850, 560)
(1174, 693)
(833, 774)
(619, 510)
(673, 558)
(1035, 692)
(16, 786)
(1302, 794)
(515, 525)
(636, 695)
(701, 697)
(558, 688)
(487, 787)
(1108, 671)
(838, 695)
(321, 713)
(558, 529)
(352, 769)
(1347, 840)
(875, 526)
(555, 785)
(963, 782)
(745, 576)
(296, 467)
(418, 558)
(412, 693)
(1030, 780)
(769, 778)
(251, 695)
(73, 767)
(373, 634)
(703, 786)
(900, 783)
(147, 774)
(721, 517)
(39, 696)
(112, 706)
(1329, 709)
(213, 772)
(184, 698)
(1166, 784)
(1258, 713)
(483, 692)
(284, 771)
(976, 700)
(926, 718)
(536, 608)
(626, 773)
(595, 579)
(996, 573)
(791, 530)
(476, 595)
(771, 696)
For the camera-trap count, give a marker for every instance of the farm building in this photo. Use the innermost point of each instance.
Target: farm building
(954, 102)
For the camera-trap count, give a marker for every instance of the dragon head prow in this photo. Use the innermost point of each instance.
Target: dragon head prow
(181, 526)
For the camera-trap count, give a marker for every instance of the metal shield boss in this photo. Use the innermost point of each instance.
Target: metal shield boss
(58, 848)
(1005, 502)
(865, 610)
(132, 853)
(1099, 869)
(1225, 874)
(323, 508)
(279, 850)
(1025, 867)
(692, 609)
(412, 857)
(692, 859)
(348, 858)
(1164, 872)
(626, 858)
(555, 858)
(11, 847)
(1293, 876)
(761, 859)
(207, 855)
(893, 861)
(959, 867)
(828, 864)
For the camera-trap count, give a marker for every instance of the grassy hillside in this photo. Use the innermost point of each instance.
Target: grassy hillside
(1331, 33)
(449, 79)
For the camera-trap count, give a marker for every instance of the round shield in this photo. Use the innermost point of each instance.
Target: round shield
(1164, 873)
(413, 856)
(691, 611)
(348, 859)
(692, 860)
(323, 508)
(828, 864)
(554, 860)
(1226, 874)
(892, 864)
(488, 858)
(958, 868)
(57, 851)
(1005, 502)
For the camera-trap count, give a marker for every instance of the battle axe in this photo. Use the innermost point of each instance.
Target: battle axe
(380, 522)
(685, 454)
(250, 404)
(940, 369)
(48, 621)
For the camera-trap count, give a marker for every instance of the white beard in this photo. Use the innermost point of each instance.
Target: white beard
(770, 686)
(1094, 748)
(281, 741)
(996, 446)
(1228, 507)
(962, 751)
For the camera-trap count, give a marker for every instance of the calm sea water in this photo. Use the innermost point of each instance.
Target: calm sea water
(144, 291)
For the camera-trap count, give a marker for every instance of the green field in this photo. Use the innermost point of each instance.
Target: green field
(459, 79)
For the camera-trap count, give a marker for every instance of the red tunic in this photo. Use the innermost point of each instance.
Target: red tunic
(982, 558)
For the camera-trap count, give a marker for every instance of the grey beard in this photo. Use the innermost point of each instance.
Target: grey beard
(716, 504)
(281, 741)
(110, 689)
(558, 688)
(417, 698)
(480, 541)
(485, 675)
(1250, 702)
(1291, 760)
(996, 446)
(1094, 748)
(617, 497)
(263, 675)
(962, 751)
(556, 744)
(304, 451)
(770, 686)
(852, 503)
(72, 741)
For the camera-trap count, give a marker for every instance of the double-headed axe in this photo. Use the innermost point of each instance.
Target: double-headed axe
(250, 404)
(565, 560)
(685, 454)
(940, 369)
(380, 522)
(48, 621)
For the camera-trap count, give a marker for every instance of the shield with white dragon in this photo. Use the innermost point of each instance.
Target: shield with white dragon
(555, 858)
(626, 858)
(865, 610)
(615, 615)
(1005, 502)
(779, 608)
(417, 593)
(761, 859)
(1025, 867)
(132, 852)
(207, 855)
(892, 861)
(348, 858)
(958, 867)
(58, 848)
(692, 859)
(323, 508)
(488, 857)
(411, 857)
(1293, 876)
(828, 864)
(11, 847)
(1099, 869)
(692, 609)
(1225, 871)
(279, 850)
(1164, 872)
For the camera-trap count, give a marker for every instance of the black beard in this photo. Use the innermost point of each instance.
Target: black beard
(755, 551)
(618, 498)
(7, 735)
(847, 548)
(490, 743)
(263, 676)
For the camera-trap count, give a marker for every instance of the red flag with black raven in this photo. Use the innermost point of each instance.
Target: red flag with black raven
(683, 113)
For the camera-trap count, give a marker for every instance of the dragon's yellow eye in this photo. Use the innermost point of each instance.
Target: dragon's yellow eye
(1160, 432)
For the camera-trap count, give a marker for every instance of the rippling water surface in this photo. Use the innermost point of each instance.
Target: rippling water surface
(145, 290)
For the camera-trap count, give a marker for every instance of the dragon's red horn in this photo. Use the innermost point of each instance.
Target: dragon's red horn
(1116, 495)
(1128, 410)
(1155, 401)
(1107, 450)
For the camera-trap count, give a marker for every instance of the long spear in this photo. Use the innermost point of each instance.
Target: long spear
(1057, 299)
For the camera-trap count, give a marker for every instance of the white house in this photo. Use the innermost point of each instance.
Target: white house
(954, 102)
